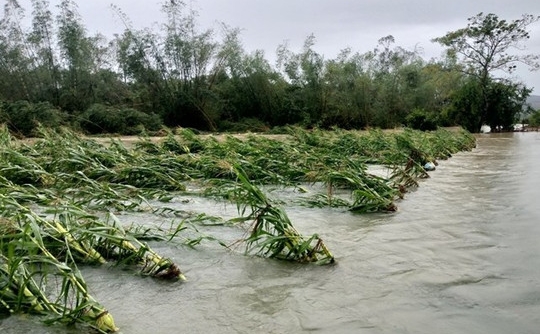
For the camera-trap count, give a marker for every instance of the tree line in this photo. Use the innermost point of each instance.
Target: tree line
(54, 73)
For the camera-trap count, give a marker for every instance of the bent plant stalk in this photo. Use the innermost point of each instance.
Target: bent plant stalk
(133, 249)
(24, 256)
(31, 246)
(272, 234)
(19, 292)
(105, 240)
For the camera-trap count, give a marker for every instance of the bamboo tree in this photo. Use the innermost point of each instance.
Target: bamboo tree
(196, 60)
(42, 39)
(80, 56)
(305, 72)
(15, 55)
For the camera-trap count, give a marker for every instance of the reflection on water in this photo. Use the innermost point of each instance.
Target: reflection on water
(459, 256)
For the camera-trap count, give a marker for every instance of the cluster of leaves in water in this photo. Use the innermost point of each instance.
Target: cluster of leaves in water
(58, 195)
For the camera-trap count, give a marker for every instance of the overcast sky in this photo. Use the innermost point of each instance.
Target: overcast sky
(336, 24)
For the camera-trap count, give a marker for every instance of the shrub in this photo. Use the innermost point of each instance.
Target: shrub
(244, 125)
(137, 121)
(105, 119)
(23, 117)
(419, 119)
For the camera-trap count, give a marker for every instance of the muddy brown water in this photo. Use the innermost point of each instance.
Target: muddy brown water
(461, 255)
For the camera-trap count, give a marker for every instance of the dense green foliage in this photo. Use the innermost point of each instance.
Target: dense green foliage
(180, 75)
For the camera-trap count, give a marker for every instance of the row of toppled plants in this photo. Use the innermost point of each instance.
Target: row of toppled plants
(57, 196)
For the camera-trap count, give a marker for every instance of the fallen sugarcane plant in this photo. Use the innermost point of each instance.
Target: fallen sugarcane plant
(33, 246)
(20, 291)
(60, 192)
(271, 232)
(25, 256)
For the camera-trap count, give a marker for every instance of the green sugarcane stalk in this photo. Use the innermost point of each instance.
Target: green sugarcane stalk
(96, 313)
(17, 286)
(89, 253)
(103, 320)
(40, 303)
(160, 267)
(165, 267)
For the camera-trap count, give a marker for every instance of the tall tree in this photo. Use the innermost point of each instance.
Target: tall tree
(77, 57)
(395, 73)
(42, 39)
(349, 96)
(186, 61)
(15, 55)
(305, 71)
(485, 45)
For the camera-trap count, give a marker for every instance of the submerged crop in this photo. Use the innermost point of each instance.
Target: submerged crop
(59, 196)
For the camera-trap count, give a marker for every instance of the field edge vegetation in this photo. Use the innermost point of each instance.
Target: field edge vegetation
(177, 73)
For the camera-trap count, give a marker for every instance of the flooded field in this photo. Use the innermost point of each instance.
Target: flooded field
(459, 256)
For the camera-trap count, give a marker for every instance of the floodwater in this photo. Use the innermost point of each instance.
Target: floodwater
(461, 255)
